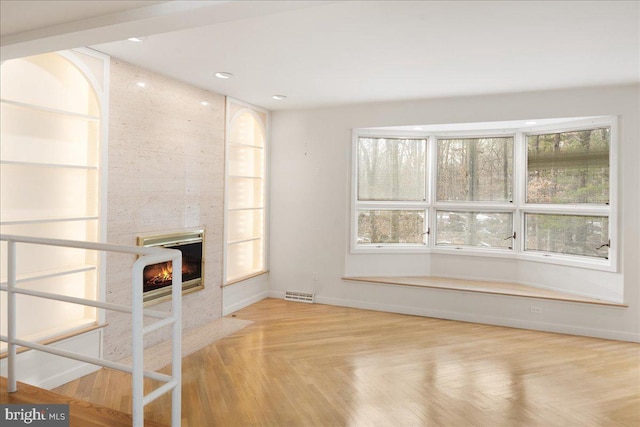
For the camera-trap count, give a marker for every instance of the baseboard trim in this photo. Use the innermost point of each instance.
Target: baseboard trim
(279, 294)
(226, 310)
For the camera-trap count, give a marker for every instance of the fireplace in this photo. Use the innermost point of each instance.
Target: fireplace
(156, 280)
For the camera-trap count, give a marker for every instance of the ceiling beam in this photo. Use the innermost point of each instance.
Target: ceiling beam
(143, 21)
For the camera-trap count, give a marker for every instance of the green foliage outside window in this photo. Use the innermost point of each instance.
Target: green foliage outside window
(568, 167)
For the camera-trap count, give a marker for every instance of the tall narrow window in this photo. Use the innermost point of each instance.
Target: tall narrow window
(245, 192)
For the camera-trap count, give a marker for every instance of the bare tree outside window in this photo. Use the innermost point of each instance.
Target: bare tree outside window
(475, 229)
(390, 226)
(391, 169)
(475, 169)
(568, 234)
(560, 207)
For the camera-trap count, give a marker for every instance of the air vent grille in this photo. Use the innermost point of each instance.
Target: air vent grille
(299, 296)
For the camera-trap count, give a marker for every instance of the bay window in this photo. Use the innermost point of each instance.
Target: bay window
(542, 192)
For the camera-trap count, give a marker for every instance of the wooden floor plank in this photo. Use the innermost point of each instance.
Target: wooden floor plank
(81, 413)
(318, 365)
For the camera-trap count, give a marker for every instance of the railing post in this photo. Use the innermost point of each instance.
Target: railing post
(11, 317)
(176, 357)
(148, 256)
(137, 319)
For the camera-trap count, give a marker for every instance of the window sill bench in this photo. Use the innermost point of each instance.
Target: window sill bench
(497, 288)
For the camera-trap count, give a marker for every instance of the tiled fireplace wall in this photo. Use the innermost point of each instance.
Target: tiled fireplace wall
(166, 171)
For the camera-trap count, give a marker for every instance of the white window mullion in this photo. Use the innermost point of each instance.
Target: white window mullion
(476, 206)
(353, 231)
(613, 194)
(597, 210)
(431, 180)
(519, 189)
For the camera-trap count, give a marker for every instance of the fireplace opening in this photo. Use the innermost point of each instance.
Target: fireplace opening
(157, 278)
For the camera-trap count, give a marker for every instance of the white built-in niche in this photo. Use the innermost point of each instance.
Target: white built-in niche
(52, 127)
(245, 249)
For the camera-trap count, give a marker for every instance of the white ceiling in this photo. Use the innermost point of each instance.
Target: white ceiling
(23, 16)
(329, 53)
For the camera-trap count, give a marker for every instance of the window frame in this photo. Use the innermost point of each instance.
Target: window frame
(470, 206)
(357, 205)
(394, 245)
(518, 207)
(610, 210)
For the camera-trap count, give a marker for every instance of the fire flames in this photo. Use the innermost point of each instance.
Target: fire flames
(166, 273)
(162, 274)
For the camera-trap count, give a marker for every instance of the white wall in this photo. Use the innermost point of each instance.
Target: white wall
(245, 293)
(310, 191)
(49, 371)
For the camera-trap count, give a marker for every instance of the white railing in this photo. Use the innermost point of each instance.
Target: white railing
(147, 256)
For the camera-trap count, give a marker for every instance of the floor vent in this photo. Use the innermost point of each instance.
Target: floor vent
(298, 296)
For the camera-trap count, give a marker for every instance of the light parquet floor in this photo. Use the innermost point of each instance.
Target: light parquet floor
(319, 365)
(81, 413)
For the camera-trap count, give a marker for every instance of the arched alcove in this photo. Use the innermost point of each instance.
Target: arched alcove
(52, 127)
(245, 216)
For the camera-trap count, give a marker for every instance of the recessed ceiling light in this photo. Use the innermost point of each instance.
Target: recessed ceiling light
(530, 122)
(223, 75)
(205, 103)
(417, 128)
(279, 97)
(141, 84)
(136, 39)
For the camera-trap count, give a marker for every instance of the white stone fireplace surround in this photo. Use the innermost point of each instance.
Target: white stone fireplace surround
(166, 171)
